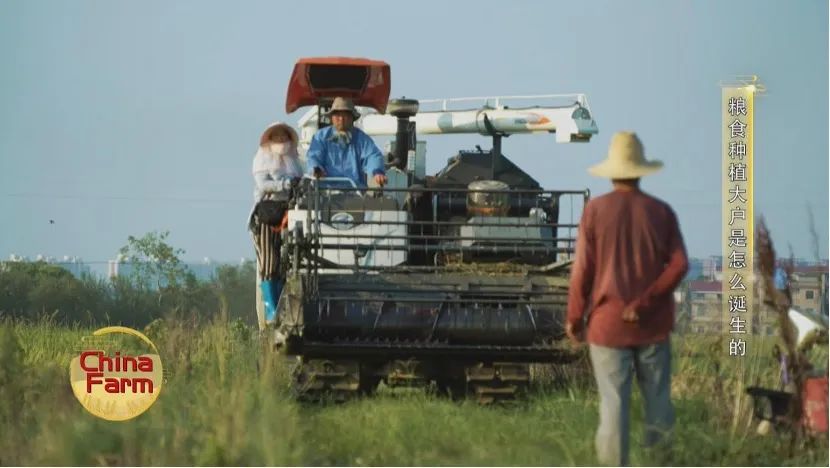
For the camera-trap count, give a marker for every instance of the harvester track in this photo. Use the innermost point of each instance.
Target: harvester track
(499, 382)
(320, 380)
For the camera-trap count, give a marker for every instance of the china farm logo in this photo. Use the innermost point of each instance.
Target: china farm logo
(117, 374)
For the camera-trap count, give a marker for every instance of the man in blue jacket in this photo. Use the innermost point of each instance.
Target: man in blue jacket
(341, 150)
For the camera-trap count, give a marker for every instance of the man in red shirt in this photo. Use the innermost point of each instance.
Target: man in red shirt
(629, 259)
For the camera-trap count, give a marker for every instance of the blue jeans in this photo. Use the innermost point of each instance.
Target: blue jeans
(613, 368)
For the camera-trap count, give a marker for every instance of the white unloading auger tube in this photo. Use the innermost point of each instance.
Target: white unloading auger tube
(570, 122)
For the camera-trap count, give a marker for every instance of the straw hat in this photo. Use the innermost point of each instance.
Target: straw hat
(341, 104)
(625, 159)
(266, 135)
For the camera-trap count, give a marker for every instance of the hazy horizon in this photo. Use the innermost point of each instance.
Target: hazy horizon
(124, 118)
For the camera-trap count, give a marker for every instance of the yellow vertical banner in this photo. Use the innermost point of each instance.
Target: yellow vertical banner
(739, 318)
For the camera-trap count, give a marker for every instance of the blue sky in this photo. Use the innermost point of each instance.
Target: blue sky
(119, 118)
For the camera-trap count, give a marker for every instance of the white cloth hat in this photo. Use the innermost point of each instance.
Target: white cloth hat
(266, 135)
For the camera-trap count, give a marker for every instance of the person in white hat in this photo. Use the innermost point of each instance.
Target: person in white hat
(341, 150)
(276, 162)
(630, 257)
(275, 169)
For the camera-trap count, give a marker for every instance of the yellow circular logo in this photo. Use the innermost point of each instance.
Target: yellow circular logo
(117, 374)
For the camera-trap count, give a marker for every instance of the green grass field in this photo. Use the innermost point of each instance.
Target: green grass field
(227, 402)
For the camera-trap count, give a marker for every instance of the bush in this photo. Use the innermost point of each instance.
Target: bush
(157, 286)
(32, 291)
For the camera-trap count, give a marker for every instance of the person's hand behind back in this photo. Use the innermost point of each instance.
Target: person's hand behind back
(576, 336)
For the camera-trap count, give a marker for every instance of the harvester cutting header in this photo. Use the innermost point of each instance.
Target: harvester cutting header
(458, 278)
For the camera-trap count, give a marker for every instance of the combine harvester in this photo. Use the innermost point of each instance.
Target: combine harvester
(458, 278)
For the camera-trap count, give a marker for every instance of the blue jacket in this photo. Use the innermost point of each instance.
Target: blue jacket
(780, 279)
(355, 160)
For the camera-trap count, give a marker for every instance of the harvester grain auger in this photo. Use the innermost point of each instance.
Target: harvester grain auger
(458, 278)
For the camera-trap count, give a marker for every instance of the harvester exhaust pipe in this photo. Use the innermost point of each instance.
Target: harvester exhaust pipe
(403, 109)
(495, 153)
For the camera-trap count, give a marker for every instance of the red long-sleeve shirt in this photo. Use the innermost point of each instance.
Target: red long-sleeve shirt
(629, 251)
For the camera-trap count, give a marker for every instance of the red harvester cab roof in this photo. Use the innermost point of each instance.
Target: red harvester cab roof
(321, 79)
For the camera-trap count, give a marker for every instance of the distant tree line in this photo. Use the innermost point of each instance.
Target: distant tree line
(161, 287)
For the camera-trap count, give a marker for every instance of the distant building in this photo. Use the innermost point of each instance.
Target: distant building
(119, 267)
(695, 269)
(703, 307)
(808, 286)
(700, 302)
(74, 265)
(203, 271)
(713, 268)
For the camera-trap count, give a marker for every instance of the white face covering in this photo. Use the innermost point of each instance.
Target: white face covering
(280, 148)
(279, 159)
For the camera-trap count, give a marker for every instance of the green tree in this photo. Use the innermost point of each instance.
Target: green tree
(15, 284)
(154, 262)
(31, 290)
(236, 291)
(129, 304)
(158, 286)
(156, 266)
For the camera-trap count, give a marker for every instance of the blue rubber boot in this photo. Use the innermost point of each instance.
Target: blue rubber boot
(271, 290)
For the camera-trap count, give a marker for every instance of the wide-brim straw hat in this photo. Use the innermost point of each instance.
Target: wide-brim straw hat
(626, 159)
(266, 135)
(342, 104)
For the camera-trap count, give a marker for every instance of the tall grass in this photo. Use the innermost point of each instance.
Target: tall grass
(227, 402)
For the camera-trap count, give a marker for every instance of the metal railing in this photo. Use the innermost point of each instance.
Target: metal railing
(362, 230)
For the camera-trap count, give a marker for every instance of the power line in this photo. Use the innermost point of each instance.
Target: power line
(106, 262)
(128, 198)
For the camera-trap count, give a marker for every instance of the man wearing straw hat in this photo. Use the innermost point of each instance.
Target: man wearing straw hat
(341, 150)
(629, 259)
